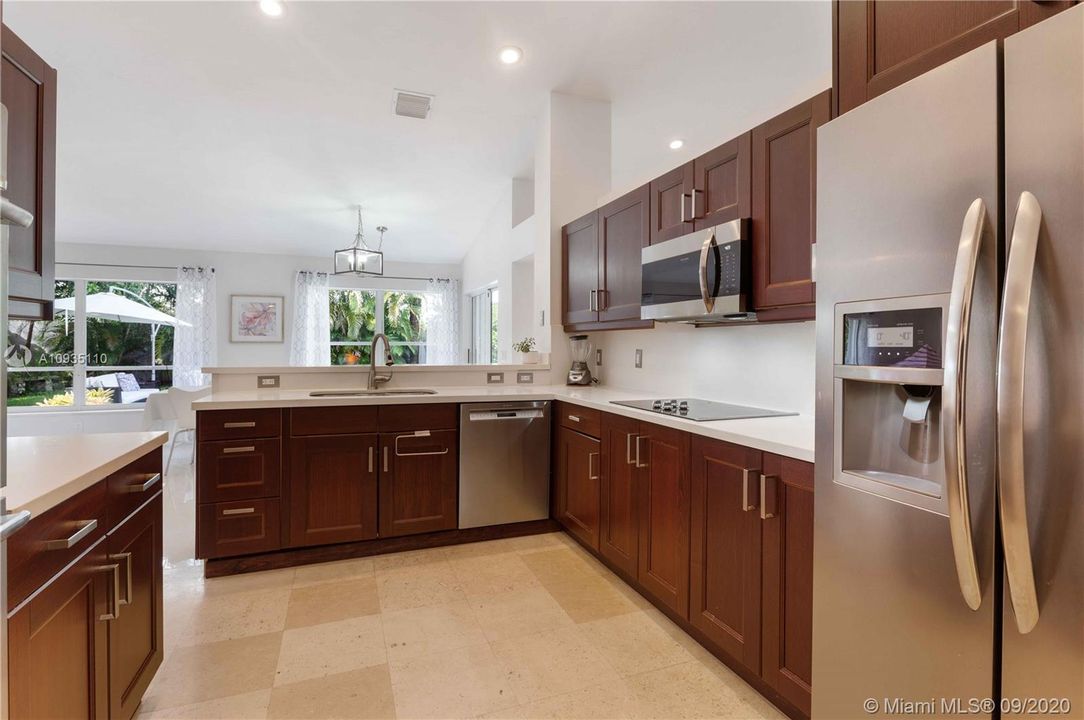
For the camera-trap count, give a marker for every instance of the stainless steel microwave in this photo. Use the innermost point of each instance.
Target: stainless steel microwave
(702, 277)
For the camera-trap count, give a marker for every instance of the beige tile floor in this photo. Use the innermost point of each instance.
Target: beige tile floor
(528, 627)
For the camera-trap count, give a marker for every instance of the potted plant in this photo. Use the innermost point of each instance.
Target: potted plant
(527, 354)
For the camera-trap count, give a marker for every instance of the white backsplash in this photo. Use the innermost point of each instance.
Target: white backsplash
(765, 365)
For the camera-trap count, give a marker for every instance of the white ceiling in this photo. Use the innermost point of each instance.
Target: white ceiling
(209, 125)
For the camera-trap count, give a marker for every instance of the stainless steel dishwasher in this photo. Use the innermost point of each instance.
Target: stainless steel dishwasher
(504, 463)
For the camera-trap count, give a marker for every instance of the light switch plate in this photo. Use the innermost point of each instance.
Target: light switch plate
(525, 378)
(495, 378)
(639, 358)
(267, 381)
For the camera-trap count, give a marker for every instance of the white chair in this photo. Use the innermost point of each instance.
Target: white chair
(181, 403)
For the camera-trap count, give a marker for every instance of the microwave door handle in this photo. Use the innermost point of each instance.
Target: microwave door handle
(1011, 351)
(705, 293)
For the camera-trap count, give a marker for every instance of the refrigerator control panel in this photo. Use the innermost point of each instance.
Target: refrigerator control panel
(908, 338)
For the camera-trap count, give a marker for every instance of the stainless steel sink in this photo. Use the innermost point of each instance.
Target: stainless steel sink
(370, 393)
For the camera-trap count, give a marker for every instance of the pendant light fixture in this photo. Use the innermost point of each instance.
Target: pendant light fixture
(360, 259)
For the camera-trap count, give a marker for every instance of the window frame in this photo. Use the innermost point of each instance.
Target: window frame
(380, 323)
(483, 302)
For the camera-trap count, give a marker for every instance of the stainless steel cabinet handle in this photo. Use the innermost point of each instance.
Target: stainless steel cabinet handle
(370, 458)
(768, 496)
(247, 424)
(684, 218)
(127, 558)
(239, 511)
(954, 406)
(240, 449)
(1011, 351)
(146, 484)
(638, 463)
(705, 251)
(591, 300)
(602, 300)
(748, 495)
(13, 521)
(591, 474)
(574, 418)
(628, 449)
(385, 458)
(418, 433)
(692, 202)
(114, 599)
(69, 542)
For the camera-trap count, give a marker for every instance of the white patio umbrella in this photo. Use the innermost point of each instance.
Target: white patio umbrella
(111, 306)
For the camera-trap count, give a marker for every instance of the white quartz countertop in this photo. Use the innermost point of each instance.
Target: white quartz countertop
(45, 471)
(791, 436)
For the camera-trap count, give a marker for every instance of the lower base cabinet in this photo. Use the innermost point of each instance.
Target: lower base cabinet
(332, 489)
(419, 486)
(578, 459)
(619, 531)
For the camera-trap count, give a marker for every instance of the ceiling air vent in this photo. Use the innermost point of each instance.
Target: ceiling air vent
(412, 104)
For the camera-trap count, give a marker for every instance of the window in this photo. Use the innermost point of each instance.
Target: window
(484, 344)
(355, 321)
(108, 343)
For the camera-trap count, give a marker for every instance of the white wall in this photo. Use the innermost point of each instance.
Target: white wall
(236, 274)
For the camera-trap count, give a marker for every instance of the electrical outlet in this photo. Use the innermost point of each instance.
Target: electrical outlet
(639, 358)
(525, 378)
(495, 378)
(267, 381)
(598, 357)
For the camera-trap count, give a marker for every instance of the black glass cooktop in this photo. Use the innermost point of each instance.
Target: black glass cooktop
(701, 410)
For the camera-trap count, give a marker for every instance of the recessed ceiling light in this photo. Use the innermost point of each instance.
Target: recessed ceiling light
(271, 8)
(676, 144)
(510, 55)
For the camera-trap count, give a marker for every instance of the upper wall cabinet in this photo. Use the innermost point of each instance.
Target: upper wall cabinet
(784, 203)
(601, 273)
(28, 93)
(879, 45)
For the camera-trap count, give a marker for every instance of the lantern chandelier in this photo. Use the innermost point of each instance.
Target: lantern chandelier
(359, 258)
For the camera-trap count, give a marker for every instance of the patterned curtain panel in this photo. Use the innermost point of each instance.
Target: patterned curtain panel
(195, 338)
(310, 341)
(441, 315)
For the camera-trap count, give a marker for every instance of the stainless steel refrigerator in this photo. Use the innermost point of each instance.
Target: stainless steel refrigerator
(949, 530)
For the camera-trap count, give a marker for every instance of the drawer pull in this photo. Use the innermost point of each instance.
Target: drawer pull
(417, 433)
(246, 424)
(574, 418)
(127, 558)
(371, 459)
(145, 485)
(114, 599)
(239, 511)
(241, 449)
(68, 543)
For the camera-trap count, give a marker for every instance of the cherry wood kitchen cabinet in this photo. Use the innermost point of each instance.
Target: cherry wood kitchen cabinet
(784, 210)
(579, 250)
(662, 456)
(619, 516)
(787, 508)
(884, 43)
(722, 188)
(28, 88)
(578, 465)
(418, 482)
(239, 469)
(669, 204)
(725, 557)
(136, 634)
(332, 493)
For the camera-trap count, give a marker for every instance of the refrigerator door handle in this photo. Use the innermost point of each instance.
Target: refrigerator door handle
(1011, 350)
(954, 402)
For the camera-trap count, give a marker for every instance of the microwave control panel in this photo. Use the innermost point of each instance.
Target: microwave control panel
(893, 338)
(730, 268)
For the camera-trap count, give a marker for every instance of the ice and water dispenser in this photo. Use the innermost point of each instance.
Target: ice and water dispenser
(888, 381)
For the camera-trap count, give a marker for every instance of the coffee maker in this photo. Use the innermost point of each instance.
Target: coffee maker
(580, 373)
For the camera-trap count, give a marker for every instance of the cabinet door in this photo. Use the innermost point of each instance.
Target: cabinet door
(721, 190)
(58, 650)
(788, 578)
(724, 600)
(784, 202)
(579, 459)
(135, 636)
(880, 45)
(418, 482)
(670, 212)
(623, 232)
(332, 489)
(580, 281)
(664, 515)
(619, 535)
(29, 94)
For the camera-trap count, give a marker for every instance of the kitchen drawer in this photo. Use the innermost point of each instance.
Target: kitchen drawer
(238, 424)
(238, 528)
(336, 420)
(239, 469)
(50, 541)
(443, 416)
(580, 419)
(131, 486)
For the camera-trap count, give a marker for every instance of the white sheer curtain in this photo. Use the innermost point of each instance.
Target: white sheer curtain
(310, 342)
(441, 315)
(195, 338)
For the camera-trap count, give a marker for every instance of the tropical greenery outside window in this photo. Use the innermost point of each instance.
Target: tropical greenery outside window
(81, 358)
(355, 321)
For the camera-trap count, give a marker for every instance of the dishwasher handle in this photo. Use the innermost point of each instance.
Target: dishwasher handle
(506, 414)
